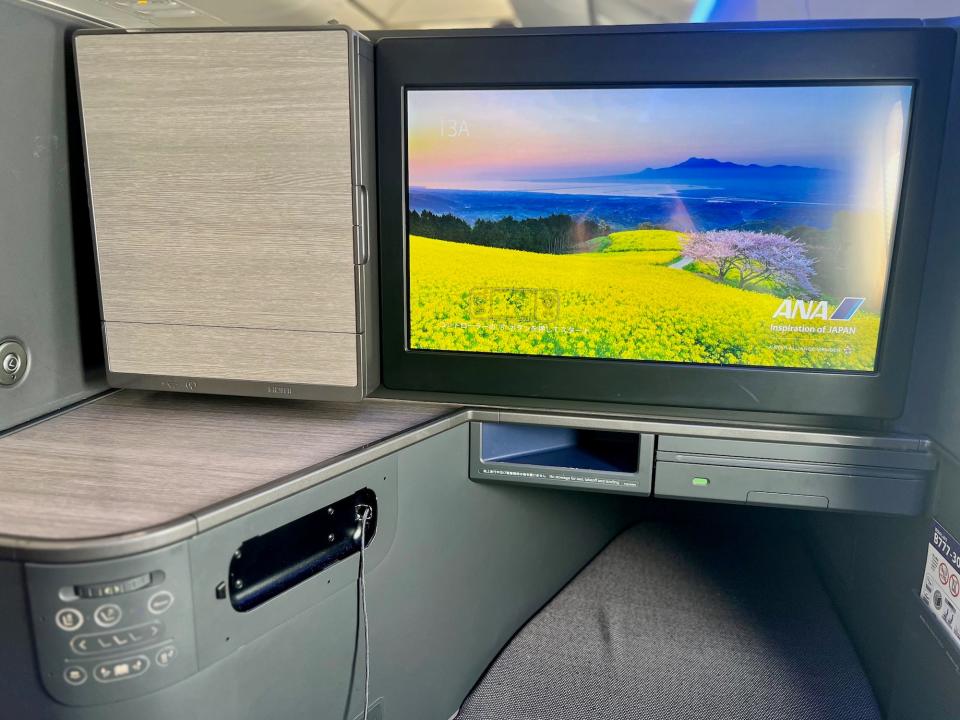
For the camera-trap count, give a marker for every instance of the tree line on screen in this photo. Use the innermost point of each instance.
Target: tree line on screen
(557, 234)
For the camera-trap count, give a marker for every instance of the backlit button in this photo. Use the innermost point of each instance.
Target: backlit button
(160, 602)
(118, 587)
(75, 675)
(136, 583)
(165, 655)
(69, 619)
(121, 669)
(107, 615)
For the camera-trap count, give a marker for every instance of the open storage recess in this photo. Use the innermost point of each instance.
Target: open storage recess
(797, 469)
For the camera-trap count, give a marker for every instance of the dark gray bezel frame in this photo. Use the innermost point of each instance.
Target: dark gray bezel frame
(732, 55)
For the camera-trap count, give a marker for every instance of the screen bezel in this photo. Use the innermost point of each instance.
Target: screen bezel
(920, 57)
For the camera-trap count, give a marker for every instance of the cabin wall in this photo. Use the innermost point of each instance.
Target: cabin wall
(873, 566)
(48, 297)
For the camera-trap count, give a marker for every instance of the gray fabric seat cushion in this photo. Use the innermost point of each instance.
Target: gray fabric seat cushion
(670, 623)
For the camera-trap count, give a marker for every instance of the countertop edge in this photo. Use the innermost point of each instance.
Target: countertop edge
(92, 549)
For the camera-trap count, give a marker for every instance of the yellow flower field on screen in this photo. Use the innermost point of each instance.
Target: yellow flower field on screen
(620, 302)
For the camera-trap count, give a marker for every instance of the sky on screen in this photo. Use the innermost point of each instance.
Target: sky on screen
(456, 137)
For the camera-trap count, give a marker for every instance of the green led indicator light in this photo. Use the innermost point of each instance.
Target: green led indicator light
(701, 482)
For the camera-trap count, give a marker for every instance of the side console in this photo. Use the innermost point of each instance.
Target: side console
(118, 629)
(881, 474)
(233, 207)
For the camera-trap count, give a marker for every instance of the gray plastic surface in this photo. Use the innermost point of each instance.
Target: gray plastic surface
(934, 692)
(825, 477)
(486, 469)
(919, 459)
(220, 628)
(760, 497)
(833, 491)
(921, 667)
(48, 297)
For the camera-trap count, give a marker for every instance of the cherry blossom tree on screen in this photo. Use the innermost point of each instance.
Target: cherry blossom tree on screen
(750, 258)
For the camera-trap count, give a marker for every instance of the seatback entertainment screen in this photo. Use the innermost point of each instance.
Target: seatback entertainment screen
(717, 225)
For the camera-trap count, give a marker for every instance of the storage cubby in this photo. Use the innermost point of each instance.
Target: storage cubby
(560, 447)
(578, 458)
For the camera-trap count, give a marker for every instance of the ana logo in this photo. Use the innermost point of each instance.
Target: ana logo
(792, 309)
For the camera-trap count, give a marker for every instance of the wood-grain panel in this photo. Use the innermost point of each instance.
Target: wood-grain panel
(280, 356)
(220, 174)
(134, 460)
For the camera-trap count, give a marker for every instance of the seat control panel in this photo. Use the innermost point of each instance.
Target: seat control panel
(113, 630)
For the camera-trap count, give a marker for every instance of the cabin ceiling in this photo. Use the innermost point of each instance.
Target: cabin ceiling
(442, 14)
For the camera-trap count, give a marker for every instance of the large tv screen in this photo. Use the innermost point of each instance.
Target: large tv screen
(717, 225)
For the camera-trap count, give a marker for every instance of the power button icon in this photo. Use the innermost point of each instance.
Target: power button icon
(13, 361)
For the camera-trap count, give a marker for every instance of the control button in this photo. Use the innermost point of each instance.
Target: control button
(88, 644)
(165, 655)
(13, 361)
(69, 619)
(160, 602)
(75, 675)
(136, 583)
(121, 669)
(107, 615)
(118, 587)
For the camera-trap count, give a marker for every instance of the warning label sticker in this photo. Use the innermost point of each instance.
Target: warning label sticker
(941, 580)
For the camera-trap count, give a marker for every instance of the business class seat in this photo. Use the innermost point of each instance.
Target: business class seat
(682, 623)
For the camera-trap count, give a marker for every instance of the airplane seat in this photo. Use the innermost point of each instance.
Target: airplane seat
(682, 623)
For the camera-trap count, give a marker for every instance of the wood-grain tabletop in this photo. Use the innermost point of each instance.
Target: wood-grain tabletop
(133, 460)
